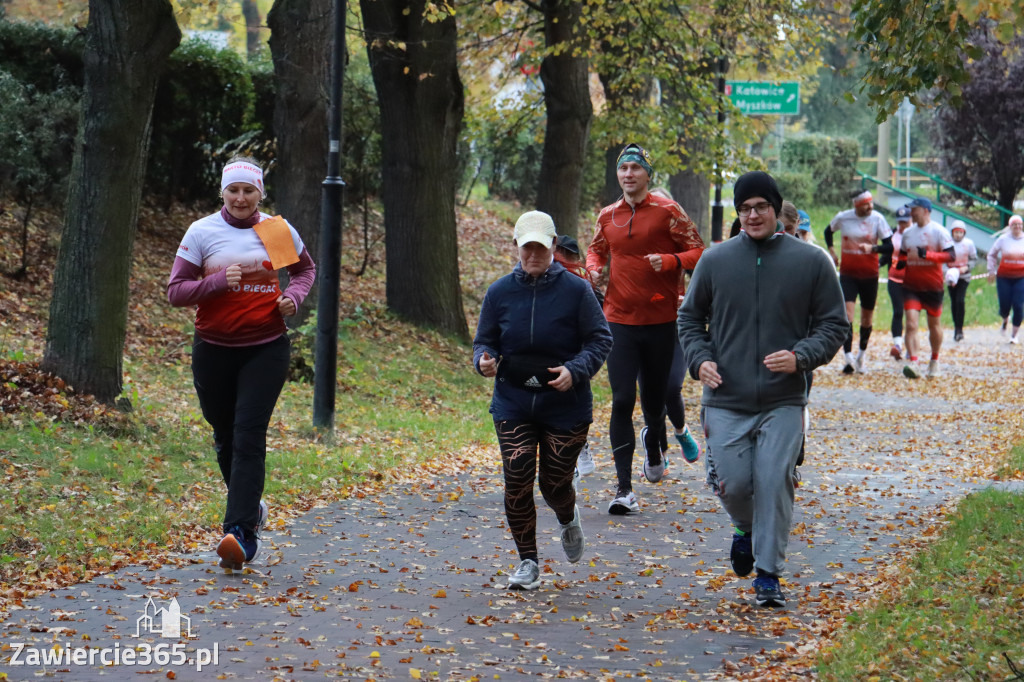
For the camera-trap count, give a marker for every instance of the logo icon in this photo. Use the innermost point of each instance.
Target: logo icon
(163, 622)
(532, 382)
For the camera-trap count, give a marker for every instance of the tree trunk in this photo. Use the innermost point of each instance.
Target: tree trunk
(127, 44)
(413, 61)
(251, 13)
(300, 37)
(693, 192)
(565, 76)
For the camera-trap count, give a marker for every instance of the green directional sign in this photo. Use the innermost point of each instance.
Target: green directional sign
(757, 98)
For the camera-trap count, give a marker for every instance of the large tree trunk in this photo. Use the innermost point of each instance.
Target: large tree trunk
(251, 13)
(127, 44)
(300, 39)
(565, 76)
(421, 101)
(692, 191)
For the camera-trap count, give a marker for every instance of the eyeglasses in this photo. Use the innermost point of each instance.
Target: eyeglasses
(762, 209)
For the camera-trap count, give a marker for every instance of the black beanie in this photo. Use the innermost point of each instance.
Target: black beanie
(757, 184)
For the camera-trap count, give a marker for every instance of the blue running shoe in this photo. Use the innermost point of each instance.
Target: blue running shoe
(691, 448)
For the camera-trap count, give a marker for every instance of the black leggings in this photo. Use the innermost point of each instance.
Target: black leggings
(644, 352)
(896, 296)
(522, 444)
(958, 303)
(237, 389)
(675, 410)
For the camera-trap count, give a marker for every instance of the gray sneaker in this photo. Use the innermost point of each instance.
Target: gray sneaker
(573, 542)
(624, 503)
(585, 462)
(933, 369)
(652, 472)
(526, 577)
(261, 523)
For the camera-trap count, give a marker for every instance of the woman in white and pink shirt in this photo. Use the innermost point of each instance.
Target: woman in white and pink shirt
(227, 266)
(1006, 267)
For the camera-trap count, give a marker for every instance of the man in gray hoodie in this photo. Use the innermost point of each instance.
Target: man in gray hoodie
(750, 342)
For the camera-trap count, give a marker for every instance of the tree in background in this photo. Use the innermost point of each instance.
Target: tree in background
(300, 41)
(127, 45)
(412, 52)
(928, 48)
(981, 141)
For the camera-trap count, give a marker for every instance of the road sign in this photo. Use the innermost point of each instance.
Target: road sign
(757, 98)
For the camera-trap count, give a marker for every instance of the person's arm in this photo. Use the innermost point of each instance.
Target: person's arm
(829, 325)
(947, 255)
(972, 259)
(688, 243)
(993, 257)
(187, 286)
(597, 339)
(300, 278)
(597, 253)
(488, 333)
(693, 319)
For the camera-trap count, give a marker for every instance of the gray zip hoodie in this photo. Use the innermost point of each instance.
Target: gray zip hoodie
(750, 298)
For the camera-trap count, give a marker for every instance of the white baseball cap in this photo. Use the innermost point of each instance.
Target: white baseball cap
(535, 226)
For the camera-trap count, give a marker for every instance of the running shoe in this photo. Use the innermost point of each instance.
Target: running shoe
(1013, 339)
(585, 462)
(691, 448)
(526, 577)
(261, 523)
(851, 363)
(933, 369)
(909, 371)
(742, 554)
(767, 591)
(652, 472)
(896, 352)
(573, 542)
(624, 503)
(859, 360)
(958, 336)
(237, 547)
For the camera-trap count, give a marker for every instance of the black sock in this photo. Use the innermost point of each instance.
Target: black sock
(865, 334)
(848, 343)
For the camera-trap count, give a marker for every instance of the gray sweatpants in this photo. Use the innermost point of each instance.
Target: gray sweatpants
(749, 466)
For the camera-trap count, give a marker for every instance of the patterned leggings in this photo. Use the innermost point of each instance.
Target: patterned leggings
(519, 443)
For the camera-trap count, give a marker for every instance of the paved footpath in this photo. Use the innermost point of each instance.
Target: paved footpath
(409, 583)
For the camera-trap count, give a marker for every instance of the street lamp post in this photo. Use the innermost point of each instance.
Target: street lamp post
(326, 358)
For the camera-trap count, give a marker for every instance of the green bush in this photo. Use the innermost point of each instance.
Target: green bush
(204, 100)
(44, 56)
(797, 187)
(830, 162)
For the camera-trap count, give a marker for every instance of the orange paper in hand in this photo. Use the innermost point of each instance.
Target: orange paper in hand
(277, 239)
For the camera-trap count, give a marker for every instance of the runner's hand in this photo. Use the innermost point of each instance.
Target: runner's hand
(782, 361)
(488, 365)
(655, 260)
(234, 274)
(708, 374)
(563, 382)
(285, 305)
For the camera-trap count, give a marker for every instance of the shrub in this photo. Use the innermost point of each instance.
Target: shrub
(830, 162)
(44, 56)
(204, 99)
(797, 187)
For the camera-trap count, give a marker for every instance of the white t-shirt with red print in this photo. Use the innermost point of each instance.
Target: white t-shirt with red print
(1006, 257)
(248, 310)
(921, 273)
(854, 230)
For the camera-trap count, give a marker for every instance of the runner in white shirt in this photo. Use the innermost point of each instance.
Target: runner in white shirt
(861, 228)
(958, 275)
(926, 246)
(895, 283)
(1006, 267)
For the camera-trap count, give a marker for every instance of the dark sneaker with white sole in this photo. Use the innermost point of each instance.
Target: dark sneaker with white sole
(237, 548)
(768, 592)
(741, 555)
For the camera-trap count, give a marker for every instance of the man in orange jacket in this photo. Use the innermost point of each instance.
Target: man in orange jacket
(649, 239)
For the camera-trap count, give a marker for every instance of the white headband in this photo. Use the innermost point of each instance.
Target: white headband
(862, 197)
(240, 171)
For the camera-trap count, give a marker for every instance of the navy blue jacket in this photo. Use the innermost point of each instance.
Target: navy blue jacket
(555, 314)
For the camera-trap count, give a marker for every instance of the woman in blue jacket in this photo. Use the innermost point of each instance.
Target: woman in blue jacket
(542, 335)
